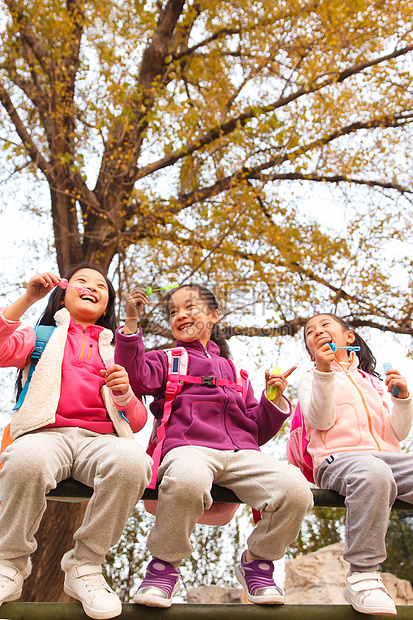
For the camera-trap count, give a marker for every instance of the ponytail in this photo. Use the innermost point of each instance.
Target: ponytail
(367, 361)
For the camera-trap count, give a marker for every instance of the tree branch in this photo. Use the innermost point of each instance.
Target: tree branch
(228, 127)
(25, 137)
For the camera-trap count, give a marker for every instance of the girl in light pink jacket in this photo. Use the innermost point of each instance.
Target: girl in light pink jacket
(354, 424)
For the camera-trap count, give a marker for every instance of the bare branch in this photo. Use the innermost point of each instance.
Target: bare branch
(228, 127)
(25, 137)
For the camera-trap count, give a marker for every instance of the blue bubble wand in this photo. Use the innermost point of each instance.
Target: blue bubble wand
(334, 347)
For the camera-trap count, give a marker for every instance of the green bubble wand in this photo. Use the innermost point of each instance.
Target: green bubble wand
(150, 290)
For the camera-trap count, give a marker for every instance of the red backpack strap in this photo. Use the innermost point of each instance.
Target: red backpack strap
(177, 369)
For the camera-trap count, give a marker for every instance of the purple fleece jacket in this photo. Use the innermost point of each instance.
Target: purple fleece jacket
(216, 417)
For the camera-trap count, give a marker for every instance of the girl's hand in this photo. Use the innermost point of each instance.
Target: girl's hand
(279, 382)
(117, 379)
(41, 285)
(393, 379)
(324, 355)
(135, 303)
(38, 287)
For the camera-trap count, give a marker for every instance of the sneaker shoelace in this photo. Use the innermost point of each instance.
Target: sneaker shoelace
(95, 582)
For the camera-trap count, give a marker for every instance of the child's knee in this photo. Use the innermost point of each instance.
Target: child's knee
(129, 460)
(27, 467)
(375, 475)
(293, 493)
(192, 484)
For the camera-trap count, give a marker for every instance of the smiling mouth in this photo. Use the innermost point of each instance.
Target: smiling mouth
(329, 339)
(90, 298)
(185, 326)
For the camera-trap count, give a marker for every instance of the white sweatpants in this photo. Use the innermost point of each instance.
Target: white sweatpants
(118, 470)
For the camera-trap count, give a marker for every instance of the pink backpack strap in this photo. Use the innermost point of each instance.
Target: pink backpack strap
(212, 382)
(177, 377)
(375, 381)
(177, 366)
(241, 378)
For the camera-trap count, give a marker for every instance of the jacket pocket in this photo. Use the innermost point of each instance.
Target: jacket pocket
(207, 423)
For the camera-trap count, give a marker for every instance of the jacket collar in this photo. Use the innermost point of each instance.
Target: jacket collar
(354, 362)
(62, 317)
(212, 348)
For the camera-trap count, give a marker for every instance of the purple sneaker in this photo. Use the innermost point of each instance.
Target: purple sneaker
(256, 579)
(160, 584)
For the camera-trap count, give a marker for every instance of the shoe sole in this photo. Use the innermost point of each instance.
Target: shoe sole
(258, 600)
(367, 609)
(154, 601)
(92, 613)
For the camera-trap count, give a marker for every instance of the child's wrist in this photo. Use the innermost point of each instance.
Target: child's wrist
(131, 326)
(323, 367)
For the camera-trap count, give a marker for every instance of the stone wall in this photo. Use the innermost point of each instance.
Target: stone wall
(319, 578)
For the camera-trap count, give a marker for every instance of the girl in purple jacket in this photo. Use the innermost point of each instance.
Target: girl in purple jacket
(213, 436)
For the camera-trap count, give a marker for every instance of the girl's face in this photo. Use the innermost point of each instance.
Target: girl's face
(324, 328)
(190, 317)
(87, 308)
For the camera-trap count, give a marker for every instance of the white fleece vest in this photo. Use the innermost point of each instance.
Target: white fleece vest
(40, 405)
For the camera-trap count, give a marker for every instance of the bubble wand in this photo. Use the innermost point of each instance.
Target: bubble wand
(271, 390)
(150, 290)
(334, 347)
(64, 284)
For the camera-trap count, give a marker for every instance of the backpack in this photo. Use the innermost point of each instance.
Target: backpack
(43, 333)
(218, 514)
(297, 443)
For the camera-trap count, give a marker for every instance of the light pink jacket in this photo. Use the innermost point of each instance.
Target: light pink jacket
(349, 411)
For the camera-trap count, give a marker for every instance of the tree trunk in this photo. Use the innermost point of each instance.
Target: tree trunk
(55, 537)
(68, 244)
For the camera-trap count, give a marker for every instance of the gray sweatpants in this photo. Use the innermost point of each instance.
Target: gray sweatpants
(118, 469)
(273, 487)
(370, 482)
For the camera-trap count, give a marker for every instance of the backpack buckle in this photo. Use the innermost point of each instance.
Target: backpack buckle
(170, 392)
(209, 381)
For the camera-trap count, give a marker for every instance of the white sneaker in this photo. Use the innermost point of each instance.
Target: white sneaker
(86, 584)
(11, 583)
(367, 594)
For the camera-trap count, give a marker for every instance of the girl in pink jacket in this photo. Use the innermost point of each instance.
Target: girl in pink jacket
(76, 420)
(354, 425)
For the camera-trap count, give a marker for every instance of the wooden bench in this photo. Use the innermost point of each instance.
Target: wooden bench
(130, 611)
(71, 491)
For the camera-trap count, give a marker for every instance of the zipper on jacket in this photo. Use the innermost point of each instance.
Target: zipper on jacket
(225, 409)
(347, 373)
(83, 343)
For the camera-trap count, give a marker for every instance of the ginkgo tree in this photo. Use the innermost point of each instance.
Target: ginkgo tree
(184, 138)
(177, 135)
